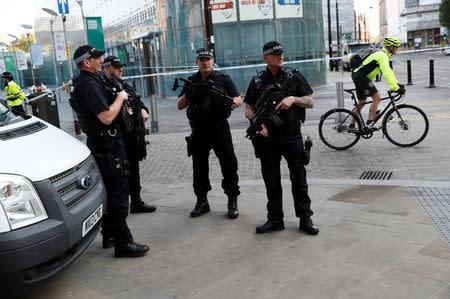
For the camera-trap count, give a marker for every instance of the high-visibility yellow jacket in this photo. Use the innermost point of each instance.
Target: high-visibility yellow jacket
(14, 94)
(379, 62)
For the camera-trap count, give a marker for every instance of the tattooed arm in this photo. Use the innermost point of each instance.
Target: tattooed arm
(304, 102)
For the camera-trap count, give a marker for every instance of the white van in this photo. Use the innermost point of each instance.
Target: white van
(52, 198)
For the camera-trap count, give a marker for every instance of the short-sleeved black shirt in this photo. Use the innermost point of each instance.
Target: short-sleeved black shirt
(93, 99)
(267, 78)
(199, 107)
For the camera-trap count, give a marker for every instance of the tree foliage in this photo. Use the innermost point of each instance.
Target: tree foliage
(22, 43)
(444, 13)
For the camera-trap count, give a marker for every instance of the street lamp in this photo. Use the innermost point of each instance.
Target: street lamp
(29, 27)
(15, 57)
(54, 14)
(80, 2)
(69, 64)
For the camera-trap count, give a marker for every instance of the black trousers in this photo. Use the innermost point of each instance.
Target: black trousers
(114, 221)
(134, 180)
(270, 150)
(18, 108)
(217, 137)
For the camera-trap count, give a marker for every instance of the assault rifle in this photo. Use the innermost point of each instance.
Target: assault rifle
(125, 118)
(218, 95)
(138, 130)
(266, 112)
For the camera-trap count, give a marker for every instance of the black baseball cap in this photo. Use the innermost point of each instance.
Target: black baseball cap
(112, 61)
(203, 53)
(7, 75)
(85, 52)
(272, 48)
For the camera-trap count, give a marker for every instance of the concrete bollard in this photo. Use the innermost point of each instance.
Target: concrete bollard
(408, 63)
(431, 74)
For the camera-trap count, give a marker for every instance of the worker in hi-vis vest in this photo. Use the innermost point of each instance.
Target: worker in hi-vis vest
(14, 93)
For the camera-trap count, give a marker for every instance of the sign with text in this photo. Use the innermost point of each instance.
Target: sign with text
(255, 9)
(21, 60)
(223, 11)
(36, 54)
(2, 65)
(288, 9)
(60, 46)
(9, 64)
(95, 32)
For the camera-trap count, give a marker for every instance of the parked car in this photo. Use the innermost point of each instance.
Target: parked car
(52, 198)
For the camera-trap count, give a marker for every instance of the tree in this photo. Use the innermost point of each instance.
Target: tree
(22, 43)
(444, 13)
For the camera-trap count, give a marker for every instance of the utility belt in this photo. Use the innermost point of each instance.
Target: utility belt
(111, 166)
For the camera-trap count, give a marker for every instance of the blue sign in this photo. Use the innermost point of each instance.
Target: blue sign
(63, 6)
(289, 2)
(36, 53)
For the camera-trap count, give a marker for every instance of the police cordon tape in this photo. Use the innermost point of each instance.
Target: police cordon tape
(49, 92)
(264, 64)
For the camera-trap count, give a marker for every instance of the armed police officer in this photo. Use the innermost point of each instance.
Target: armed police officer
(207, 114)
(136, 114)
(275, 141)
(98, 114)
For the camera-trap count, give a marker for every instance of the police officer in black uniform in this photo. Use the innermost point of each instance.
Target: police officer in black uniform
(274, 142)
(210, 130)
(113, 65)
(98, 116)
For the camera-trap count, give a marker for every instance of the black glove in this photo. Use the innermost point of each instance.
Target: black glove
(401, 89)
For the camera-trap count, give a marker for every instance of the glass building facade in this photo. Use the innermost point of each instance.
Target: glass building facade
(162, 36)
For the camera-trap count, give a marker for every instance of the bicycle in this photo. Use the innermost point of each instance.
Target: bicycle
(403, 125)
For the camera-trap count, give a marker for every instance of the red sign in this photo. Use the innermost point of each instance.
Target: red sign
(221, 6)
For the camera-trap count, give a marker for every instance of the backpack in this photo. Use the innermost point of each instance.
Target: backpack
(357, 58)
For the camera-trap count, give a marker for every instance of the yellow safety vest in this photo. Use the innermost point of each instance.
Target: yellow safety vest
(14, 94)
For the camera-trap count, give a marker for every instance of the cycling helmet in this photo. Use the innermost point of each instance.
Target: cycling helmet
(391, 41)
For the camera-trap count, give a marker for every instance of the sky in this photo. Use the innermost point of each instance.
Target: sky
(10, 19)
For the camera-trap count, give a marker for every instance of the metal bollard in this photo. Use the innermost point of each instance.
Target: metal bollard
(408, 63)
(340, 99)
(431, 74)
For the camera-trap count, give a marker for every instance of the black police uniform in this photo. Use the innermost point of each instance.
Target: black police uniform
(282, 142)
(106, 144)
(131, 149)
(210, 130)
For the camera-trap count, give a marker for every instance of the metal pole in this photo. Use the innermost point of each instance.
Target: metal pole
(54, 58)
(31, 58)
(158, 77)
(76, 124)
(84, 21)
(408, 63)
(15, 63)
(340, 99)
(431, 74)
(208, 27)
(330, 50)
(337, 36)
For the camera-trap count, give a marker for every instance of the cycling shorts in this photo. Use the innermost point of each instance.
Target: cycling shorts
(364, 86)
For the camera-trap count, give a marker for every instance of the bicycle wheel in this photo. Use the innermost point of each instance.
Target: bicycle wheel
(333, 129)
(405, 127)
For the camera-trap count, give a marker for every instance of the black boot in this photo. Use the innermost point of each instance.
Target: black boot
(308, 226)
(269, 226)
(108, 241)
(233, 212)
(131, 249)
(139, 206)
(201, 207)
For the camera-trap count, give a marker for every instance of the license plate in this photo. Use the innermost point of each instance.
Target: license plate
(90, 222)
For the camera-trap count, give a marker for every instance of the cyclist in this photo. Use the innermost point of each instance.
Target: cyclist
(363, 75)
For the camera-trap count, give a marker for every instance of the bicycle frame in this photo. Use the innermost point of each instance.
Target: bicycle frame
(392, 98)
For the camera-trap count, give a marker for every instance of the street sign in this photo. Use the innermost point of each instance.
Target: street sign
(95, 32)
(10, 65)
(63, 6)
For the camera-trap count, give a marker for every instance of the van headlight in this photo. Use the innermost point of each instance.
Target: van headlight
(20, 202)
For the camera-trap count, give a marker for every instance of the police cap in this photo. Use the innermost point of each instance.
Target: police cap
(7, 75)
(272, 48)
(85, 52)
(112, 61)
(203, 53)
